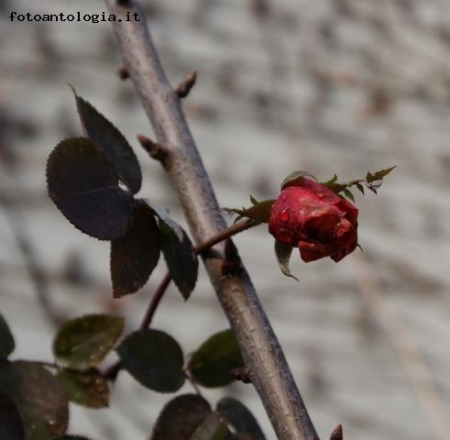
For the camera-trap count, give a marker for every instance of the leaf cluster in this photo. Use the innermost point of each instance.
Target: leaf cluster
(93, 180)
(372, 182)
(34, 397)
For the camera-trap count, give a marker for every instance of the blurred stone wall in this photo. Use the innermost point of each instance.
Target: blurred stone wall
(328, 86)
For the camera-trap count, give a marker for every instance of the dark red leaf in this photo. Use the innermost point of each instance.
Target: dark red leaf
(178, 251)
(11, 427)
(87, 388)
(154, 359)
(84, 186)
(113, 143)
(136, 254)
(38, 396)
(180, 418)
(240, 418)
(212, 363)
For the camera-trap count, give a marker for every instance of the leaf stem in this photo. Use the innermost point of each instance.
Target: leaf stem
(154, 303)
(224, 234)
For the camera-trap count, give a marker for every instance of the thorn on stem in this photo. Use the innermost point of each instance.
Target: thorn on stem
(337, 433)
(242, 374)
(122, 72)
(186, 85)
(155, 150)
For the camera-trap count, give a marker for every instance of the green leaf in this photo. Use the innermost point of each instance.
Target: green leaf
(181, 417)
(178, 251)
(360, 187)
(38, 396)
(113, 143)
(7, 344)
(85, 188)
(136, 254)
(334, 185)
(154, 359)
(11, 427)
(82, 343)
(240, 418)
(348, 194)
(211, 364)
(332, 181)
(379, 175)
(253, 201)
(259, 212)
(283, 252)
(87, 388)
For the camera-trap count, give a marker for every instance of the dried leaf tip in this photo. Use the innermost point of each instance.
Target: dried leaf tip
(186, 85)
(337, 433)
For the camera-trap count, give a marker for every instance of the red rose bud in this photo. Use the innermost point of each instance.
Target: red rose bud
(310, 216)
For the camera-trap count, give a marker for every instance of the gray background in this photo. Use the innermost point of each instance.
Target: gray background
(328, 86)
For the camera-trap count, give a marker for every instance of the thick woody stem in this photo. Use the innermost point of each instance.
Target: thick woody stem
(260, 349)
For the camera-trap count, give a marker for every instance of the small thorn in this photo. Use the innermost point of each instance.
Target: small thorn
(122, 72)
(155, 150)
(337, 433)
(186, 85)
(242, 374)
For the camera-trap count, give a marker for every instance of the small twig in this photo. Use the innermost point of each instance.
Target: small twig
(337, 433)
(154, 303)
(192, 381)
(186, 85)
(225, 233)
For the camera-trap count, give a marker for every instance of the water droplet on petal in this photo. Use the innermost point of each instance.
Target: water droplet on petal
(284, 215)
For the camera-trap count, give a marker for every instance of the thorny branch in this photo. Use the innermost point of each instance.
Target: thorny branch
(260, 348)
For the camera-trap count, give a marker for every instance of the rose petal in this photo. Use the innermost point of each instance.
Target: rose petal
(312, 217)
(314, 251)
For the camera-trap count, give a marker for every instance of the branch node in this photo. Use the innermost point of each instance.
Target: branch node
(155, 150)
(232, 262)
(186, 85)
(337, 433)
(242, 374)
(122, 73)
